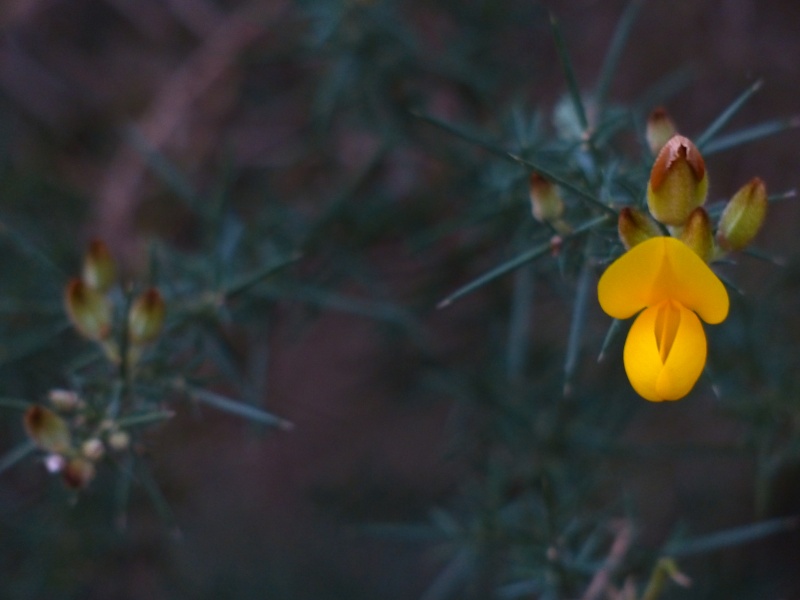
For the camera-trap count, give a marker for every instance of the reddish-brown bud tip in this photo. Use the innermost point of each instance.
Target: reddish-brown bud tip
(677, 149)
(99, 268)
(678, 182)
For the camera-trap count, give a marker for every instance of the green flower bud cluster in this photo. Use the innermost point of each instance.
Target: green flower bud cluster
(90, 304)
(72, 436)
(676, 193)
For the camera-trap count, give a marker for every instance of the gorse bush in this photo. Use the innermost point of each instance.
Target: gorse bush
(482, 236)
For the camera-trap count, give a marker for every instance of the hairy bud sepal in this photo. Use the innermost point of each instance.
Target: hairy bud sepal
(678, 182)
(743, 216)
(698, 235)
(635, 226)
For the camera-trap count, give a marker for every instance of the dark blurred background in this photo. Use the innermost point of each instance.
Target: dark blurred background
(280, 97)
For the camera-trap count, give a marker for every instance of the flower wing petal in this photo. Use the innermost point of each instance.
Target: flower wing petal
(689, 280)
(686, 359)
(641, 355)
(658, 269)
(627, 285)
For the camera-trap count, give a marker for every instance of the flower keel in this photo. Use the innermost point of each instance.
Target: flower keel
(665, 352)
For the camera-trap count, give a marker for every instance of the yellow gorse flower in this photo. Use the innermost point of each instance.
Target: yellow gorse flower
(670, 286)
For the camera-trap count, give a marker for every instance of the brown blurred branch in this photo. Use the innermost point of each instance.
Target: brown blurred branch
(173, 107)
(623, 536)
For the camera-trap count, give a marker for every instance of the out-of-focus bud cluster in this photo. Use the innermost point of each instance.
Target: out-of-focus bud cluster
(676, 193)
(93, 305)
(72, 439)
(73, 433)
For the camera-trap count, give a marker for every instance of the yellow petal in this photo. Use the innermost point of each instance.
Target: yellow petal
(658, 269)
(665, 352)
(689, 281)
(641, 356)
(686, 358)
(627, 284)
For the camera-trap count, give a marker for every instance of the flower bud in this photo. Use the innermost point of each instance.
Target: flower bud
(660, 129)
(697, 234)
(78, 473)
(678, 182)
(89, 310)
(743, 216)
(546, 202)
(146, 317)
(49, 431)
(64, 400)
(93, 449)
(634, 227)
(119, 440)
(99, 268)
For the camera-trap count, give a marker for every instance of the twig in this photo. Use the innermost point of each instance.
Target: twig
(602, 578)
(173, 107)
